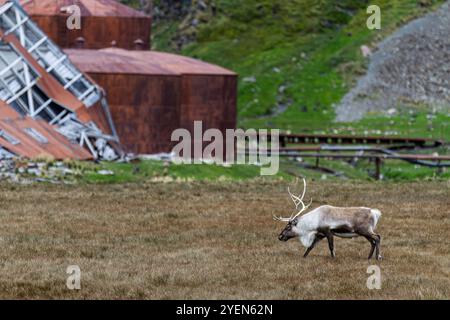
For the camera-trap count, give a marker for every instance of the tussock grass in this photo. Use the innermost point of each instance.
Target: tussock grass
(215, 240)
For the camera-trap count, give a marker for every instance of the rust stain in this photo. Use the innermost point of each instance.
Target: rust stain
(153, 93)
(103, 22)
(57, 147)
(101, 8)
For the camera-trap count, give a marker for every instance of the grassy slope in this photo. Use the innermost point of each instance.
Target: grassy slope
(159, 172)
(311, 48)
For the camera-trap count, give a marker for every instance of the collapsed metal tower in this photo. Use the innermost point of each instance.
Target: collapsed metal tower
(39, 82)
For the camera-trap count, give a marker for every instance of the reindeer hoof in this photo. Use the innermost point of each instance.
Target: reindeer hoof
(379, 258)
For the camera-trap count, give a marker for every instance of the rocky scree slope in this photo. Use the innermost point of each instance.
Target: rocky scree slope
(409, 68)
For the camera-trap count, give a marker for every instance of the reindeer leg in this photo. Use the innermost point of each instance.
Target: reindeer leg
(374, 240)
(330, 239)
(378, 242)
(373, 245)
(315, 242)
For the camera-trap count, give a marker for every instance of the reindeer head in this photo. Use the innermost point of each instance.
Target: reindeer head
(289, 232)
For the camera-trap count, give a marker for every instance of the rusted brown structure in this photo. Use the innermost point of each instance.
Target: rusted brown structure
(394, 142)
(144, 95)
(144, 99)
(14, 138)
(47, 106)
(152, 93)
(103, 22)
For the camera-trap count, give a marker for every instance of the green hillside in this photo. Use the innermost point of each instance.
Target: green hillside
(296, 58)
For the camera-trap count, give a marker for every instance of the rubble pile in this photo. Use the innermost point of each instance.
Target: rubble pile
(26, 172)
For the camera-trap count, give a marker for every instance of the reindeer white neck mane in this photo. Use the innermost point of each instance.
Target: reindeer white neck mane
(307, 226)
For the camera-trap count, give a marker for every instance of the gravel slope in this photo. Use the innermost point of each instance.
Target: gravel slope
(412, 66)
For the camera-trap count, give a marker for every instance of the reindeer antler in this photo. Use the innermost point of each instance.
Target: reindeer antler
(297, 201)
(281, 219)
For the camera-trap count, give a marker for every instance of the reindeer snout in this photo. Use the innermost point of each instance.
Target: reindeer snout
(281, 237)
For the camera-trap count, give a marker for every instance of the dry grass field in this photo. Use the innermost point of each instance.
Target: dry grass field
(216, 240)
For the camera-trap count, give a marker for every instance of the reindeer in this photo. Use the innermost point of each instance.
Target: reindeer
(327, 222)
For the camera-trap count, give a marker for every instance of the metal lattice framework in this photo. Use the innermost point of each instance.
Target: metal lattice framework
(13, 19)
(19, 80)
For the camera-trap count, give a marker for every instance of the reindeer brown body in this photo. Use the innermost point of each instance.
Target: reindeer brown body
(327, 222)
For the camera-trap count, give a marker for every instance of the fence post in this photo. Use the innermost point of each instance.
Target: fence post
(378, 168)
